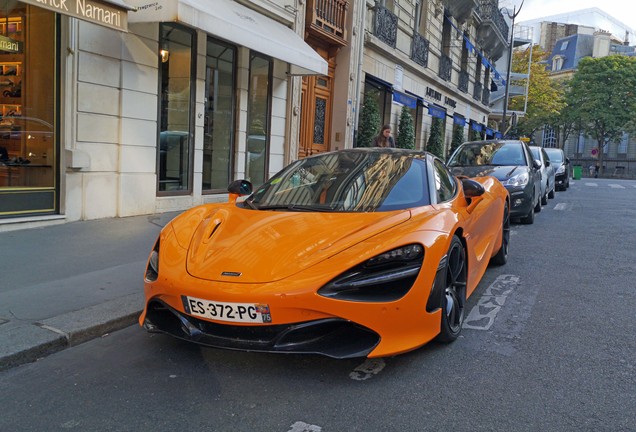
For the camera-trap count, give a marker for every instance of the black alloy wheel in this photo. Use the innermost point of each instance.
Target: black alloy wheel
(454, 300)
(502, 255)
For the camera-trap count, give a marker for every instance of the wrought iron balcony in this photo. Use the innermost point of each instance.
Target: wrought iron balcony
(492, 33)
(464, 78)
(445, 67)
(478, 91)
(419, 50)
(485, 96)
(327, 20)
(460, 9)
(385, 25)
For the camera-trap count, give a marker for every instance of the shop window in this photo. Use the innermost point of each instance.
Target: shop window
(175, 134)
(218, 139)
(258, 114)
(383, 94)
(28, 86)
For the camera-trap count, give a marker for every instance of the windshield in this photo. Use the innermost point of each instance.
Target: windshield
(347, 181)
(555, 155)
(489, 153)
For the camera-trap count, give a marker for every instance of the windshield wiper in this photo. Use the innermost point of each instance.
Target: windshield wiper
(296, 207)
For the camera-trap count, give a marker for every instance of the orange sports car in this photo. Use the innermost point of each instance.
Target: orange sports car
(361, 252)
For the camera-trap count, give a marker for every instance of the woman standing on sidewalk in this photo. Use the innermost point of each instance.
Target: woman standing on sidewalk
(384, 138)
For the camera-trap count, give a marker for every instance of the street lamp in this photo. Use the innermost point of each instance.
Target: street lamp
(515, 12)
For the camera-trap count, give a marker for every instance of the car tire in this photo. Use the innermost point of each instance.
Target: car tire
(544, 198)
(551, 194)
(454, 295)
(501, 257)
(537, 207)
(529, 218)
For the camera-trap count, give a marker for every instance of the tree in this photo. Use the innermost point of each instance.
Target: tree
(435, 143)
(545, 95)
(457, 139)
(370, 121)
(406, 130)
(602, 95)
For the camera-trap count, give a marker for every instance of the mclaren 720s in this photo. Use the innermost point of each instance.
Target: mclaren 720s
(361, 252)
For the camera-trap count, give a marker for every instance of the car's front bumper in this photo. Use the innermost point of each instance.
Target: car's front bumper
(521, 200)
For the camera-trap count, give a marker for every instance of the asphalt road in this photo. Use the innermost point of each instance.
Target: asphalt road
(548, 346)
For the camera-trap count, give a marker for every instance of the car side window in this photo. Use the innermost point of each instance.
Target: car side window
(445, 185)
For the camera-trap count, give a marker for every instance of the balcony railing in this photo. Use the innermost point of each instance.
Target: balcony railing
(464, 78)
(460, 9)
(419, 50)
(485, 96)
(488, 10)
(478, 91)
(445, 67)
(328, 18)
(385, 26)
(493, 30)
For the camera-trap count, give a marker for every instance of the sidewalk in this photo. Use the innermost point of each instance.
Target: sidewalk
(65, 284)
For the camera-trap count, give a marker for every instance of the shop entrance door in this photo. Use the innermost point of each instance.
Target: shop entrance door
(315, 122)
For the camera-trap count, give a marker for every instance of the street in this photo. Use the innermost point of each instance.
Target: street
(548, 345)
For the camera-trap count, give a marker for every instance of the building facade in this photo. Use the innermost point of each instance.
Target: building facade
(130, 107)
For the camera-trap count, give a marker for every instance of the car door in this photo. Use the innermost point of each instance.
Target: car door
(535, 173)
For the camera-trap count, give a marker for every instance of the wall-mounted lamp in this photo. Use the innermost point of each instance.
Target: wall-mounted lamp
(165, 55)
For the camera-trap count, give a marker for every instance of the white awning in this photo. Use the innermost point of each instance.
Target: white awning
(238, 24)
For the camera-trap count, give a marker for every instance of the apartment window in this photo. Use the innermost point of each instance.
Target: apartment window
(580, 145)
(218, 138)
(549, 137)
(258, 115)
(421, 16)
(175, 136)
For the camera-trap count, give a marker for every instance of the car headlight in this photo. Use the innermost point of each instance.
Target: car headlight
(520, 179)
(561, 169)
(152, 269)
(385, 277)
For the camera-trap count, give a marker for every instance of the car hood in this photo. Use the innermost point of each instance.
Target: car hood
(233, 244)
(499, 172)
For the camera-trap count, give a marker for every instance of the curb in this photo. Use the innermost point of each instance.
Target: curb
(29, 342)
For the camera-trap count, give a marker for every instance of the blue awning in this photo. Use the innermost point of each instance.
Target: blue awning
(498, 135)
(436, 111)
(405, 99)
(489, 131)
(476, 126)
(459, 120)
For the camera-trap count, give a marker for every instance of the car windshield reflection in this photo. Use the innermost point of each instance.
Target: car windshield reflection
(494, 153)
(347, 181)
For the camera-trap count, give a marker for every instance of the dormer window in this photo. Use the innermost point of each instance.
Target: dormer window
(557, 63)
(564, 45)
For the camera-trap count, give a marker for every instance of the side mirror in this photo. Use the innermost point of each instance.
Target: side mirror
(239, 188)
(472, 188)
(547, 163)
(536, 164)
(567, 160)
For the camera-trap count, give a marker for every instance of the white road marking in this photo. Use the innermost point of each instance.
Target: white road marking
(483, 314)
(591, 184)
(304, 427)
(563, 206)
(367, 369)
(616, 186)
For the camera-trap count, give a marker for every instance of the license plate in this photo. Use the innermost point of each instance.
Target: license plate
(224, 311)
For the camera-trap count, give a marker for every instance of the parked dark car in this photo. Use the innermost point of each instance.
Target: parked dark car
(511, 162)
(562, 166)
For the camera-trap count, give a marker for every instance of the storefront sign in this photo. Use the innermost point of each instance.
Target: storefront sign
(10, 45)
(434, 94)
(112, 14)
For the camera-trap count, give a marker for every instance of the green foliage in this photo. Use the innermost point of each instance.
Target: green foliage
(473, 135)
(545, 95)
(601, 95)
(370, 122)
(406, 130)
(435, 143)
(457, 139)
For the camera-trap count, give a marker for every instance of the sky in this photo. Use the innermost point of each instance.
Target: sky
(622, 10)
